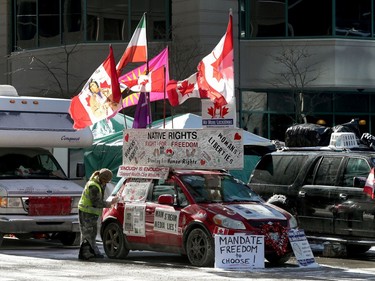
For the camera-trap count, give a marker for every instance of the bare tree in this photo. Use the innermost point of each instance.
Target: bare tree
(298, 71)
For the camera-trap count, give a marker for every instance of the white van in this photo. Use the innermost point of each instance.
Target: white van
(36, 197)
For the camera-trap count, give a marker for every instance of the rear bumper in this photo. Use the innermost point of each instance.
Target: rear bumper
(28, 224)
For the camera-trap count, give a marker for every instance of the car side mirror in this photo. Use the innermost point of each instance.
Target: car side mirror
(359, 182)
(166, 199)
(80, 170)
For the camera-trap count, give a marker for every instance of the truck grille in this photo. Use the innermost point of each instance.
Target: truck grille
(49, 206)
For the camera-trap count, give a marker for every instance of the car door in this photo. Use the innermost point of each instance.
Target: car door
(318, 195)
(162, 221)
(354, 209)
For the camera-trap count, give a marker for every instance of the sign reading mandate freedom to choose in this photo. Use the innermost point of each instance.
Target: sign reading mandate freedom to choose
(184, 148)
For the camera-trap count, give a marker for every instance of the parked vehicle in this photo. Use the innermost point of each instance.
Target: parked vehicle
(183, 213)
(36, 197)
(323, 188)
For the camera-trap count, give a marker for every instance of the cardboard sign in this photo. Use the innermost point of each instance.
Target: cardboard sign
(134, 220)
(185, 148)
(130, 171)
(239, 252)
(301, 248)
(166, 220)
(218, 116)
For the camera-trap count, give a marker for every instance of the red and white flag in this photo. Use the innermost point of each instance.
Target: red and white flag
(369, 185)
(155, 65)
(179, 91)
(215, 71)
(100, 96)
(152, 82)
(137, 47)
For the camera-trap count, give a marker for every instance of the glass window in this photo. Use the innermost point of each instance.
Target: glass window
(26, 24)
(72, 21)
(327, 171)
(279, 124)
(267, 18)
(353, 18)
(356, 167)
(344, 102)
(310, 17)
(281, 102)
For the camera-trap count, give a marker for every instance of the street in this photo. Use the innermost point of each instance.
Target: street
(40, 260)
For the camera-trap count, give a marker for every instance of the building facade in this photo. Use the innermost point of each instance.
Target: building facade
(295, 60)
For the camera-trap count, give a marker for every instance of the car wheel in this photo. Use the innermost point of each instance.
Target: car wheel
(200, 248)
(277, 260)
(114, 241)
(69, 238)
(356, 249)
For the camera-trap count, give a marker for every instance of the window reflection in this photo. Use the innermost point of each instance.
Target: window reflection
(353, 18)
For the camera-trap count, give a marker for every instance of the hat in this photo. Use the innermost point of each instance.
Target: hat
(105, 175)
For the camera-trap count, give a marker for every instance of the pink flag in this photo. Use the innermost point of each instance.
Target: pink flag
(369, 185)
(130, 79)
(215, 71)
(100, 96)
(137, 47)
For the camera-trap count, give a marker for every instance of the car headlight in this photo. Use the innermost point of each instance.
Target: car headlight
(226, 222)
(293, 222)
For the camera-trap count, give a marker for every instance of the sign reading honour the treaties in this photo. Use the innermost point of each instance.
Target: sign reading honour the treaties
(184, 148)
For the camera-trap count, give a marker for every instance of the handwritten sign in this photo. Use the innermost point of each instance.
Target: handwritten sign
(136, 190)
(301, 248)
(131, 171)
(185, 148)
(134, 220)
(239, 252)
(166, 220)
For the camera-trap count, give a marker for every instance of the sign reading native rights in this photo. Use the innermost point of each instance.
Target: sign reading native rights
(239, 252)
(184, 148)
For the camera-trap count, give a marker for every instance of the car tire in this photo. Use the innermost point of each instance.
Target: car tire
(275, 259)
(200, 248)
(1, 238)
(114, 241)
(69, 238)
(352, 249)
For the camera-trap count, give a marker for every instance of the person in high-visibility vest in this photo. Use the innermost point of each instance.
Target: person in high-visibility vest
(90, 208)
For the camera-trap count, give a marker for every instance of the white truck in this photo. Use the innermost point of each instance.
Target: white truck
(37, 199)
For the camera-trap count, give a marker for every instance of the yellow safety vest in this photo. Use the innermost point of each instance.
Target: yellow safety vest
(85, 204)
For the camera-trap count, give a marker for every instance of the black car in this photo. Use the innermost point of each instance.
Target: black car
(323, 188)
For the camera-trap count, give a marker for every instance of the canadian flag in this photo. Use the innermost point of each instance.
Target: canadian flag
(179, 91)
(369, 185)
(215, 71)
(100, 96)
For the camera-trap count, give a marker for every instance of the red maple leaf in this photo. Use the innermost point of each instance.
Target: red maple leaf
(185, 88)
(88, 100)
(216, 71)
(224, 111)
(104, 85)
(211, 111)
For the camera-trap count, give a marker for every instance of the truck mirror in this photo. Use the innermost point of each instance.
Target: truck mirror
(80, 170)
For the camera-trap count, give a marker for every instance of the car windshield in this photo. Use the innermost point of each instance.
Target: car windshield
(30, 165)
(210, 188)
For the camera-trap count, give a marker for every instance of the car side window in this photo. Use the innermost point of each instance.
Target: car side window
(326, 173)
(169, 187)
(161, 190)
(356, 167)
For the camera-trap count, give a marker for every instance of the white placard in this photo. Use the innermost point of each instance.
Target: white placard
(239, 251)
(184, 148)
(135, 190)
(218, 117)
(131, 171)
(301, 248)
(134, 220)
(166, 220)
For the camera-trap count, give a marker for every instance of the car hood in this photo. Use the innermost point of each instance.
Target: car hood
(248, 211)
(39, 187)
